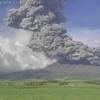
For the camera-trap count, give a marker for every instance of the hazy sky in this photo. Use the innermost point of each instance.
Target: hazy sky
(83, 20)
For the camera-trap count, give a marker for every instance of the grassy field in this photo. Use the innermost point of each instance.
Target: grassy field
(52, 90)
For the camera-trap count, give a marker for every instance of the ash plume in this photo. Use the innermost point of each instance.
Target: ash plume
(43, 18)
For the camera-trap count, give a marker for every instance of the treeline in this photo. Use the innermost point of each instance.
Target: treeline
(40, 83)
(97, 82)
(34, 83)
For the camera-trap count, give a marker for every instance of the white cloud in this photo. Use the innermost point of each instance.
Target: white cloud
(16, 56)
(97, 41)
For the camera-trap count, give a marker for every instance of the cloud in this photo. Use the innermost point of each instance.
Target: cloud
(16, 56)
(97, 41)
(43, 18)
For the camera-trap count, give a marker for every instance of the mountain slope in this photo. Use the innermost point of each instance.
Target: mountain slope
(56, 70)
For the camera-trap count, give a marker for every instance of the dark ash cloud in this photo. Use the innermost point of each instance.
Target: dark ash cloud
(43, 18)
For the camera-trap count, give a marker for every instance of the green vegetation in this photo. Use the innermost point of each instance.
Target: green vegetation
(50, 90)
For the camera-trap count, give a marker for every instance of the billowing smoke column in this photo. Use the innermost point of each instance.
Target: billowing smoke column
(43, 18)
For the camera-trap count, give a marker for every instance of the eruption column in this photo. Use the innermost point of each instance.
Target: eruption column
(43, 18)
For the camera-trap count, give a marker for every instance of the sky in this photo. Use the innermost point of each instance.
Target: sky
(83, 20)
(83, 13)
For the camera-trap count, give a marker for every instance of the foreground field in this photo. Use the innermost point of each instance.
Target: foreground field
(49, 91)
